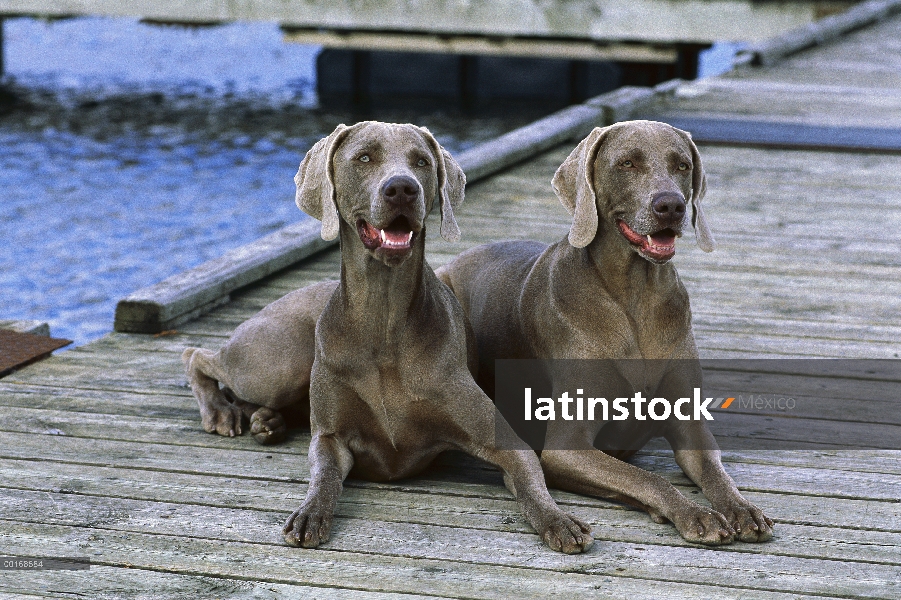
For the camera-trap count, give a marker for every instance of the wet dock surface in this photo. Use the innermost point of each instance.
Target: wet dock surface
(104, 457)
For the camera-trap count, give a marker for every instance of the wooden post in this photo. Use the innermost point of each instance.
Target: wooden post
(687, 65)
(578, 81)
(360, 74)
(469, 82)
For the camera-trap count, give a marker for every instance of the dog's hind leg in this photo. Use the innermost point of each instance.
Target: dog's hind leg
(267, 426)
(204, 372)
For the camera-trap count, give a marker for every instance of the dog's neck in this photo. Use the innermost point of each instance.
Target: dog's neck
(377, 297)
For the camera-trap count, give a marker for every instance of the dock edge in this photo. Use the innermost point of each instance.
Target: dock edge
(196, 291)
(770, 52)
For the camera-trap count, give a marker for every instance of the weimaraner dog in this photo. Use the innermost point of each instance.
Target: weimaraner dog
(390, 365)
(608, 292)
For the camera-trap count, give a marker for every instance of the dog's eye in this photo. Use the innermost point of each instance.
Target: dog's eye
(364, 158)
(683, 166)
(628, 164)
(422, 162)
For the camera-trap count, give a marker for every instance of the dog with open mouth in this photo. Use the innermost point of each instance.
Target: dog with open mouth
(608, 291)
(385, 356)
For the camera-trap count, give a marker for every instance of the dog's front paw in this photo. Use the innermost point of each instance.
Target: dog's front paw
(702, 525)
(748, 521)
(222, 417)
(567, 534)
(267, 426)
(309, 525)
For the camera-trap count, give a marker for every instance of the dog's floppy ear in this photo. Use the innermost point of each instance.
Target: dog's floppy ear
(703, 235)
(451, 184)
(315, 184)
(574, 185)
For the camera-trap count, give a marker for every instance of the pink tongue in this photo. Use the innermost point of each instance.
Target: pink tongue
(396, 237)
(661, 239)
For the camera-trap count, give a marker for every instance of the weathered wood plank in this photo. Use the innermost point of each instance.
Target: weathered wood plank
(353, 570)
(186, 295)
(160, 372)
(774, 346)
(285, 466)
(130, 583)
(444, 506)
(873, 566)
(864, 59)
(738, 428)
(845, 393)
(815, 104)
(182, 407)
(147, 417)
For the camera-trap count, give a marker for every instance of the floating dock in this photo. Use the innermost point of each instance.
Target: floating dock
(478, 53)
(104, 457)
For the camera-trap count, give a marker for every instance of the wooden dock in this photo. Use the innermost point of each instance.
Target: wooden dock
(103, 456)
(653, 21)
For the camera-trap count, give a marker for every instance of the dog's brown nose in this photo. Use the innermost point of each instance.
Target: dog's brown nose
(400, 189)
(668, 206)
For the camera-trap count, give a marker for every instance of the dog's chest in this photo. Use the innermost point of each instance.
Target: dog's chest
(395, 434)
(657, 331)
(608, 329)
(390, 405)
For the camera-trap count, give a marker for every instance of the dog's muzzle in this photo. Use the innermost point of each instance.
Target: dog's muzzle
(657, 247)
(396, 237)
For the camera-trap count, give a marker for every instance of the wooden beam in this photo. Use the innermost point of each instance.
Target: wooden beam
(784, 133)
(664, 21)
(191, 293)
(771, 51)
(396, 41)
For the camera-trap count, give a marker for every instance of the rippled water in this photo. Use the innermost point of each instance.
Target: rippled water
(133, 152)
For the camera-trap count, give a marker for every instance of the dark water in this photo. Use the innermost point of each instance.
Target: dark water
(133, 152)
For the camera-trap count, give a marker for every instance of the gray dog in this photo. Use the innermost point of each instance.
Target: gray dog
(390, 380)
(608, 292)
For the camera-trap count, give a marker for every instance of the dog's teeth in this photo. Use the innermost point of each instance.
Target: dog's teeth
(650, 241)
(382, 234)
(409, 237)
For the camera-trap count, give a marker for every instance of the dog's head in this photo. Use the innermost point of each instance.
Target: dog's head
(380, 180)
(638, 177)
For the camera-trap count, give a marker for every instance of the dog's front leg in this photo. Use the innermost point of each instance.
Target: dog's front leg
(330, 462)
(492, 439)
(523, 477)
(589, 471)
(698, 455)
